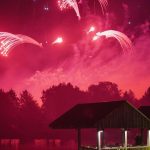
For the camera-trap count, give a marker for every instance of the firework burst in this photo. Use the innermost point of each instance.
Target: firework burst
(124, 41)
(8, 41)
(65, 4)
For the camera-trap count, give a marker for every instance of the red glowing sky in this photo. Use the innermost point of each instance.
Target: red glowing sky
(29, 67)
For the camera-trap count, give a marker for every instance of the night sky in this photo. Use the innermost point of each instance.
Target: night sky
(30, 67)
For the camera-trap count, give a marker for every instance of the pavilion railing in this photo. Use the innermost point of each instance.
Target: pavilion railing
(117, 148)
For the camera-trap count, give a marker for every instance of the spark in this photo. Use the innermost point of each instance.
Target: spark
(92, 29)
(95, 38)
(59, 40)
(46, 8)
(129, 22)
(124, 41)
(65, 4)
(8, 41)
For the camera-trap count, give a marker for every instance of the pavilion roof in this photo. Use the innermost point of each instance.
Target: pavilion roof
(145, 110)
(114, 114)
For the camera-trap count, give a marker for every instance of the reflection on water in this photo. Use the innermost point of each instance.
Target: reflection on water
(37, 144)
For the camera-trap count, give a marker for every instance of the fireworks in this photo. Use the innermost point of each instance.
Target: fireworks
(64, 4)
(58, 40)
(124, 41)
(8, 41)
(104, 4)
(95, 38)
(92, 29)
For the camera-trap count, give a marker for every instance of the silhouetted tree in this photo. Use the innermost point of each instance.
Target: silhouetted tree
(104, 91)
(145, 100)
(9, 107)
(129, 96)
(30, 117)
(58, 99)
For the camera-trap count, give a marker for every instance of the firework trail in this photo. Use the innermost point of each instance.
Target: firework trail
(124, 41)
(104, 4)
(64, 4)
(8, 41)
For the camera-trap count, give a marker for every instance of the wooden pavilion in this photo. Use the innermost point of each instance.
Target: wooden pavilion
(114, 114)
(145, 110)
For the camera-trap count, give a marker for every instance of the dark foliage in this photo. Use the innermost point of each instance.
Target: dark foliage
(30, 117)
(129, 95)
(22, 117)
(145, 100)
(104, 91)
(8, 114)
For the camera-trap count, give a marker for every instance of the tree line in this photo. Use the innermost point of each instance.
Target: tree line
(21, 116)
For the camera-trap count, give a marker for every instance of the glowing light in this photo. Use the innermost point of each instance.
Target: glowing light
(121, 38)
(8, 41)
(95, 38)
(65, 4)
(126, 138)
(58, 40)
(46, 8)
(92, 29)
(99, 134)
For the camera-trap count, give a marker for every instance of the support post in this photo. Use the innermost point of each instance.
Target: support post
(79, 138)
(142, 130)
(102, 139)
(99, 139)
(125, 138)
(148, 137)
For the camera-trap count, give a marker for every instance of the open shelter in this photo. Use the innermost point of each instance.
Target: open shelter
(114, 114)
